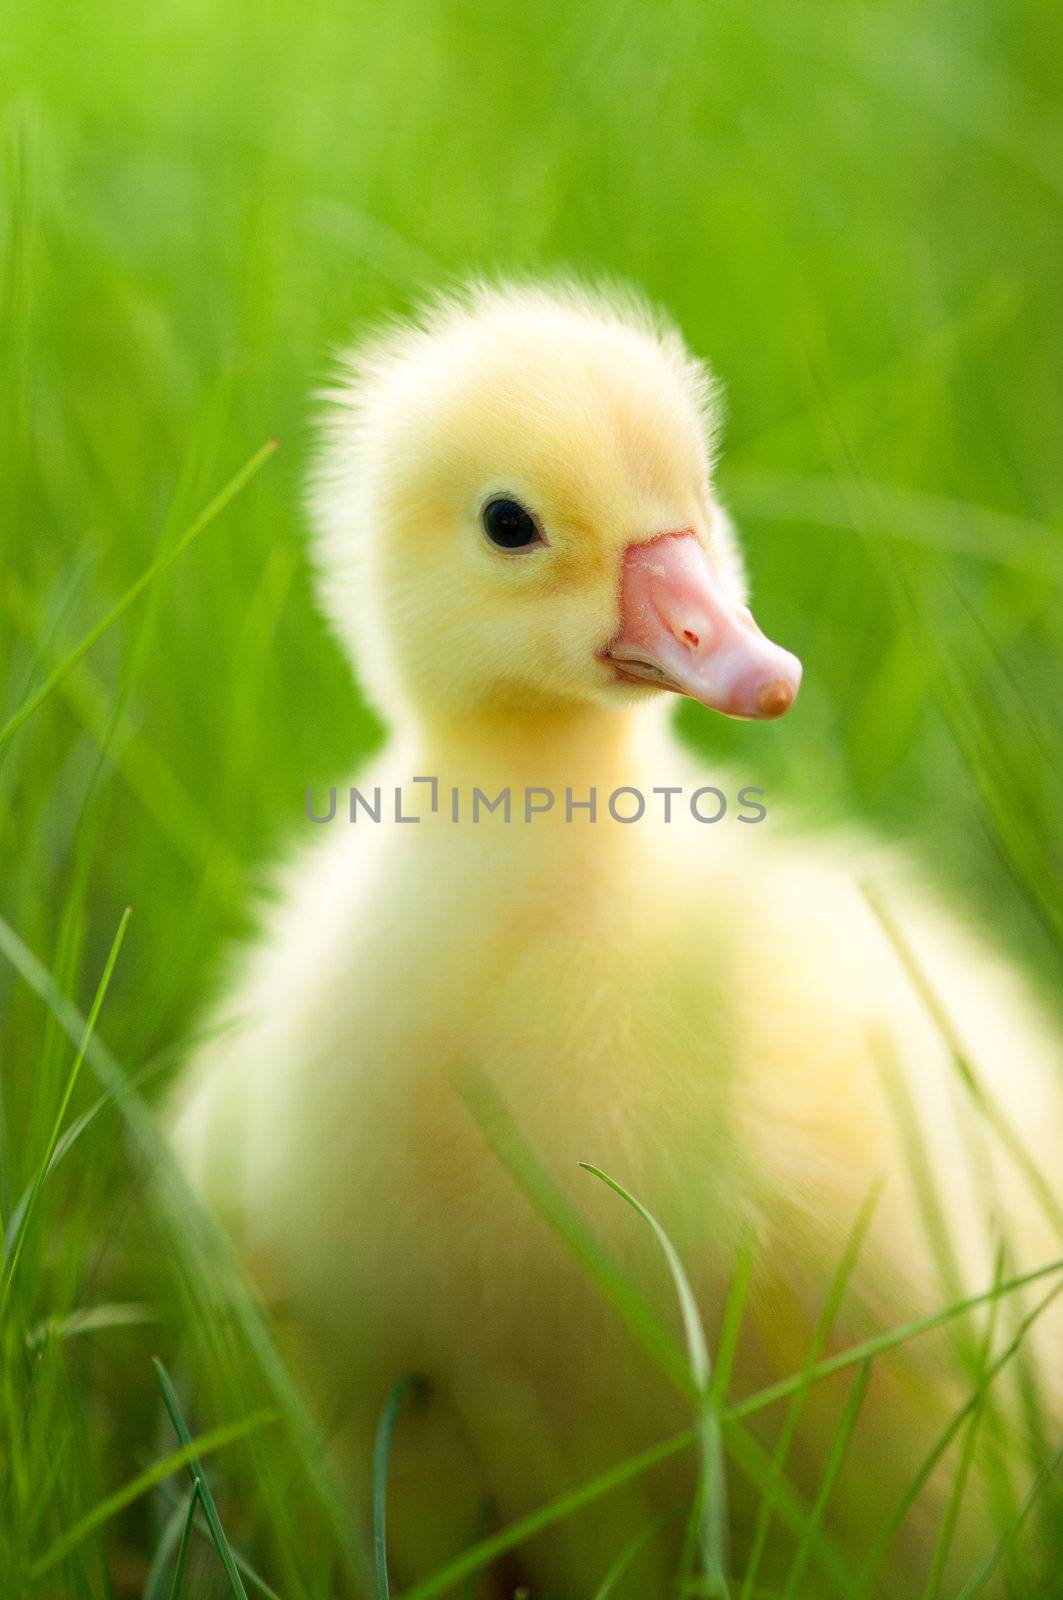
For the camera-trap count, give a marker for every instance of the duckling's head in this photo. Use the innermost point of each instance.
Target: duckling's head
(516, 517)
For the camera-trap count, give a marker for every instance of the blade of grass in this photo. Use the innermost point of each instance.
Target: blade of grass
(481, 1554)
(202, 1531)
(998, 774)
(711, 1494)
(693, 1332)
(629, 1554)
(727, 1348)
(733, 1311)
(745, 1449)
(213, 509)
(572, 1230)
(997, 1126)
(817, 1344)
(918, 1164)
(748, 1453)
(157, 787)
(795, 1411)
(202, 1241)
(155, 1585)
(984, 1101)
(484, 1522)
(189, 1451)
(954, 526)
(835, 1457)
(182, 1549)
(886, 1535)
(981, 1577)
(91, 1319)
(498, 1126)
(958, 1487)
(408, 1387)
(60, 1115)
(255, 1579)
(885, 1341)
(74, 1132)
(980, 737)
(210, 1509)
(741, 1445)
(934, 1211)
(71, 1136)
(638, 1315)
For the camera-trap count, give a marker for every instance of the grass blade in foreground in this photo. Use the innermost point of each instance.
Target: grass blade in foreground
(817, 1345)
(213, 509)
(189, 1452)
(993, 1112)
(406, 1387)
(627, 1556)
(182, 1549)
(978, 1580)
(969, 1407)
(494, 1119)
(202, 1531)
(723, 1366)
(886, 1341)
(639, 1316)
(60, 1115)
(481, 1555)
(839, 1445)
(713, 1492)
(750, 1456)
(958, 1487)
(203, 1244)
(155, 1585)
(210, 1510)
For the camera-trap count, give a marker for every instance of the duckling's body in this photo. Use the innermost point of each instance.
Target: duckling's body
(714, 1014)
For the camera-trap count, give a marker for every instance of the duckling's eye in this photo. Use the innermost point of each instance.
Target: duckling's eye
(508, 525)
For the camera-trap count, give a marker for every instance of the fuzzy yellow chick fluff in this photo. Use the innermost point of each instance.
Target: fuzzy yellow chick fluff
(519, 544)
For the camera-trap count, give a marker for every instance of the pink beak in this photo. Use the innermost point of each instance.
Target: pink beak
(681, 631)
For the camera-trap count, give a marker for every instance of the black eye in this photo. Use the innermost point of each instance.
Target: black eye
(508, 525)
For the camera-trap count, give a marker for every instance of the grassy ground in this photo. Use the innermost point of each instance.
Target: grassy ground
(855, 212)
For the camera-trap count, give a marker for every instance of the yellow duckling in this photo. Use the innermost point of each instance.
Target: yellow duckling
(537, 887)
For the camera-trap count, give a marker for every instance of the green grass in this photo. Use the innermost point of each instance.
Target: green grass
(856, 212)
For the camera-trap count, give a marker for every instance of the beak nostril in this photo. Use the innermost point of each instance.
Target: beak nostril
(691, 638)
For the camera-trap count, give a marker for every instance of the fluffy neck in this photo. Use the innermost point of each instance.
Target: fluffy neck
(552, 746)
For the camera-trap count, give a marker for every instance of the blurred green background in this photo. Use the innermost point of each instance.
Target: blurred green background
(855, 213)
